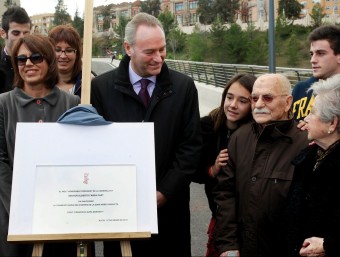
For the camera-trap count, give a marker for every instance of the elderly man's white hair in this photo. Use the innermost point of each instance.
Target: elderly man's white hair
(280, 79)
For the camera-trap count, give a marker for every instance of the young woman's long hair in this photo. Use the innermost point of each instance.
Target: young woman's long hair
(247, 81)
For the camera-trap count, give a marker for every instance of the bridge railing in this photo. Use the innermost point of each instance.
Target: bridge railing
(218, 74)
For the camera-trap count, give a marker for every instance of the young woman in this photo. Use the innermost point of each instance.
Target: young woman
(217, 128)
(68, 52)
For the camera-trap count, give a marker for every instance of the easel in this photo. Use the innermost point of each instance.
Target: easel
(82, 239)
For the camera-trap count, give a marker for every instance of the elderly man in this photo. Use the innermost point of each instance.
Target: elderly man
(253, 187)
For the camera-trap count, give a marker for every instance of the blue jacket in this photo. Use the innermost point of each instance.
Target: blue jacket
(302, 100)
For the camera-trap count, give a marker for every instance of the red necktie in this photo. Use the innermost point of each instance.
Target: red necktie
(143, 92)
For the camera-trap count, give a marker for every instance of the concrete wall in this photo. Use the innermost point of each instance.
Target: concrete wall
(209, 97)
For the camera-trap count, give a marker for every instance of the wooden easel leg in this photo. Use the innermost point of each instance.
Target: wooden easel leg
(125, 248)
(38, 250)
(81, 249)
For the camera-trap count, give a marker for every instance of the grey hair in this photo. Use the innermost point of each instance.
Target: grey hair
(328, 104)
(286, 86)
(282, 80)
(140, 19)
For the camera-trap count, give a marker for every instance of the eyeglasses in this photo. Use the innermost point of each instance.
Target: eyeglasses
(265, 98)
(34, 58)
(67, 51)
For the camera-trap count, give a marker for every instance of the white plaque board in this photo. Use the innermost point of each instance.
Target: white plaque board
(61, 150)
(92, 198)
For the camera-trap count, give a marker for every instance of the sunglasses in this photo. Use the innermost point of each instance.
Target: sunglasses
(34, 58)
(265, 98)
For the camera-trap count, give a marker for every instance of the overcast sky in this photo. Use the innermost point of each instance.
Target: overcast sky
(33, 7)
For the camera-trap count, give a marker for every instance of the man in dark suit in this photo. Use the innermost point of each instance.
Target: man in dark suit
(15, 24)
(144, 89)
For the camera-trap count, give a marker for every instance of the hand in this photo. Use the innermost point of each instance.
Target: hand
(161, 199)
(312, 247)
(232, 253)
(302, 125)
(221, 160)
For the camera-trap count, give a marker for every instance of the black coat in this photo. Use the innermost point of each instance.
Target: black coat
(314, 206)
(6, 73)
(252, 189)
(213, 143)
(174, 111)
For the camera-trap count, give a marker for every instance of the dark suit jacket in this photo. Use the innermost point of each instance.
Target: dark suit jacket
(6, 73)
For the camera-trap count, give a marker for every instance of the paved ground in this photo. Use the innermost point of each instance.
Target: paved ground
(200, 214)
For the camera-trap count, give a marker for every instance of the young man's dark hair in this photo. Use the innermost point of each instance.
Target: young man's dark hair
(325, 59)
(14, 14)
(15, 24)
(331, 33)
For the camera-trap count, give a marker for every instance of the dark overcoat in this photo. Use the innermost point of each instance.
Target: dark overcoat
(314, 206)
(174, 111)
(253, 188)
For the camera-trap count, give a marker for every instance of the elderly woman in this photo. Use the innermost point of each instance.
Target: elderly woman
(35, 98)
(314, 206)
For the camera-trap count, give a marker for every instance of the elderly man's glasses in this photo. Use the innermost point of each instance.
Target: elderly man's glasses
(67, 51)
(34, 58)
(265, 98)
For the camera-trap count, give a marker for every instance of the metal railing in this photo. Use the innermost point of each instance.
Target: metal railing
(218, 74)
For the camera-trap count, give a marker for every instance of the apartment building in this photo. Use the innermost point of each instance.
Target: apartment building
(41, 23)
(330, 7)
(185, 11)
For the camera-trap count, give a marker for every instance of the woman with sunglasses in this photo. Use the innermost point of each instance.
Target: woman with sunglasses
(35, 98)
(68, 52)
(217, 128)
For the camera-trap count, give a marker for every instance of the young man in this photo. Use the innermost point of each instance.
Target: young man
(15, 24)
(169, 100)
(325, 59)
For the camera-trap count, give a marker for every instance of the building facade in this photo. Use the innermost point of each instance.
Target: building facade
(185, 11)
(330, 7)
(41, 23)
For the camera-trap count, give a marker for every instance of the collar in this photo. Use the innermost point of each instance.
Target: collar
(163, 78)
(25, 99)
(134, 77)
(275, 130)
(309, 155)
(6, 52)
(6, 58)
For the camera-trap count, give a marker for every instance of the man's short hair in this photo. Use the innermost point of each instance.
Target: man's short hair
(140, 19)
(281, 80)
(331, 33)
(15, 14)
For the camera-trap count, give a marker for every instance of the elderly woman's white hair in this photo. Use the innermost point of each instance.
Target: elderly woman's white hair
(328, 104)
